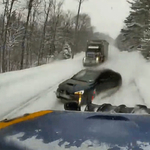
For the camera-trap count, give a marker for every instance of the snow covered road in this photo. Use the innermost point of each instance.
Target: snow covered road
(33, 89)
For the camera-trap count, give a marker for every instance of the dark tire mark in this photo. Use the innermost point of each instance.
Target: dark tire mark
(139, 92)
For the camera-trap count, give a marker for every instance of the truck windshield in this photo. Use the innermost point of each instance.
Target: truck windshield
(86, 76)
(94, 48)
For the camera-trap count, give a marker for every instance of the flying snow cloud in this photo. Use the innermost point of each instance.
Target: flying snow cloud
(135, 72)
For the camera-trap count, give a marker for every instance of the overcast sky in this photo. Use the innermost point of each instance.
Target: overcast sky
(107, 15)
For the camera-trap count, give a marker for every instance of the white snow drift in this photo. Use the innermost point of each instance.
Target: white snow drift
(18, 87)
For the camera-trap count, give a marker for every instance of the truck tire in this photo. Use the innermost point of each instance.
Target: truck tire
(84, 64)
(103, 59)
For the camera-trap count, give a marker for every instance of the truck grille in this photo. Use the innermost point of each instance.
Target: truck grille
(91, 55)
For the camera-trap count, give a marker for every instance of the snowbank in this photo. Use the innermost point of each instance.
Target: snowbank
(19, 87)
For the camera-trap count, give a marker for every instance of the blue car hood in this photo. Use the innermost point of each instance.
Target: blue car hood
(80, 130)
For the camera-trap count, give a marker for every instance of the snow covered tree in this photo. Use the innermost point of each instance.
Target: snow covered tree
(37, 31)
(145, 39)
(133, 35)
(135, 23)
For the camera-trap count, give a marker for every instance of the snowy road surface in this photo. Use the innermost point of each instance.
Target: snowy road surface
(33, 89)
(21, 89)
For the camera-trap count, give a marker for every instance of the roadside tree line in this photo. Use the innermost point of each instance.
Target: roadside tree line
(136, 33)
(31, 32)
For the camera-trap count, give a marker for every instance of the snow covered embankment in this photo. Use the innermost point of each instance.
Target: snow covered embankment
(18, 87)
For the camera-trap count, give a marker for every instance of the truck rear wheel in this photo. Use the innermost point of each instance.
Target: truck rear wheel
(103, 59)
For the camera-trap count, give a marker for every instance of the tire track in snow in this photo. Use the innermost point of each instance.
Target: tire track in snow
(114, 99)
(140, 95)
(29, 101)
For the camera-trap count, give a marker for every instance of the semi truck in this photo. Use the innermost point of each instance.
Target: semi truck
(96, 52)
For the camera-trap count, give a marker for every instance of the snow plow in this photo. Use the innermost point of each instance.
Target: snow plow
(97, 129)
(108, 108)
(96, 52)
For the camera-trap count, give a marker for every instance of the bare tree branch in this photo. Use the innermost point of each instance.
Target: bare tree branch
(25, 34)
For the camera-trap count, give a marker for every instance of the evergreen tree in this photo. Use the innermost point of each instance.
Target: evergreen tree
(145, 39)
(135, 23)
(134, 34)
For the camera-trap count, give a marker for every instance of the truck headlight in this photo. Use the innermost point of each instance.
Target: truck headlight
(97, 59)
(79, 92)
(84, 59)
